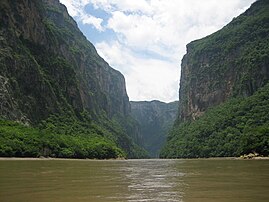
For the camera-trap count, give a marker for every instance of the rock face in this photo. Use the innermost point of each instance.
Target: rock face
(48, 67)
(155, 119)
(223, 97)
(229, 63)
(54, 64)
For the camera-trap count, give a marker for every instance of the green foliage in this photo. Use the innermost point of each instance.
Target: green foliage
(119, 128)
(239, 126)
(74, 141)
(18, 140)
(66, 136)
(57, 34)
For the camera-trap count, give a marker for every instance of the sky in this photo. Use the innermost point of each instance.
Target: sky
(146, 39)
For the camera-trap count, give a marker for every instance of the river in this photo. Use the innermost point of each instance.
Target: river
(199, 180)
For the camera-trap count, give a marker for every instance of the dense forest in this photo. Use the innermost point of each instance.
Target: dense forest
(64, 137)
(238, 126)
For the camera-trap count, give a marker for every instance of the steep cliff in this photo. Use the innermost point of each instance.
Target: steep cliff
(223, 97)
(155, 119)
(49, 70)
(229, 63)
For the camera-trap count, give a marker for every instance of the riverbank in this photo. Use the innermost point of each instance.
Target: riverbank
(52, 159)
(120, 159)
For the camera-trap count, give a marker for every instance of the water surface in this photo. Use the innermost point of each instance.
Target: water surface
(134, 180)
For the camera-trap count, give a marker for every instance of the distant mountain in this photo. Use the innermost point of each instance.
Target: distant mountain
(155, 119)
(53, 80)
(223, 97)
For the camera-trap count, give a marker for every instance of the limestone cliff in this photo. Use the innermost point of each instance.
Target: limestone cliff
(155, 119)
(48, 67)
(53, 46)
(229, 63)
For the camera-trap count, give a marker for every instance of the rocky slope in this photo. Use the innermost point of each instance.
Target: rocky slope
(223, 97)
(49, 69)
(155, 119)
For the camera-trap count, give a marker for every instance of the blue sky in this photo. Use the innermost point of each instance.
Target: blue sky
(146, 39)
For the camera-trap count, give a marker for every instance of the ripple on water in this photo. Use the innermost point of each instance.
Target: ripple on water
(151, 182)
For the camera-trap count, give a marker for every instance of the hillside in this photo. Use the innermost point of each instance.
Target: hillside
(53, 82)
(236, 127)
(155, 119)
(223, 97)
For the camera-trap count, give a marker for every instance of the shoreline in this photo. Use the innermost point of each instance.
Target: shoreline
(73, 159)
(51, 159)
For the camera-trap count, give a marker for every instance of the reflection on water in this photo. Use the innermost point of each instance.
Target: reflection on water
(134, 180)
(151, 180)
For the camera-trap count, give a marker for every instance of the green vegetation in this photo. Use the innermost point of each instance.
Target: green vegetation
(72, 141)
(66, 136)
(239, 126)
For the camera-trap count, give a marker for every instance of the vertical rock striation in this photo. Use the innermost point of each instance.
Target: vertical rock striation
(229, 63)
(47, 67)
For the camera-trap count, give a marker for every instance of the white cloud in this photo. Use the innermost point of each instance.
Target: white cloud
(154, 79)
(161, 28)
(76, 8)
(172, 24)
(91, 20)
(141, 6)
(145, 78)
(138, 30)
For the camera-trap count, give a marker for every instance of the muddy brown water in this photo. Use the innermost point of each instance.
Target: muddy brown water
(199, 180)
